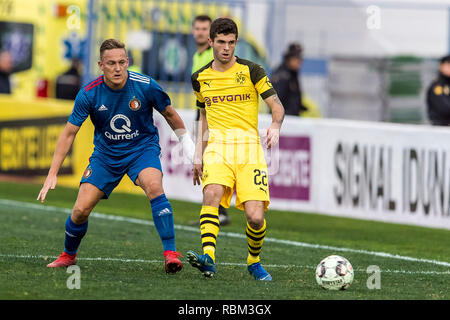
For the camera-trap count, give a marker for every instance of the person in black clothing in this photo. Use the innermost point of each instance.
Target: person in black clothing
(6, 65)
(438, 95)
(285, 80)
(69, 83)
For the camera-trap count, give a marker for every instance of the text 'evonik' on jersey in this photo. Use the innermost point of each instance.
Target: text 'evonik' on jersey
(123, 119)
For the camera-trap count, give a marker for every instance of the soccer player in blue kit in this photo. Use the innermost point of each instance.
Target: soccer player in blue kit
(120, 104)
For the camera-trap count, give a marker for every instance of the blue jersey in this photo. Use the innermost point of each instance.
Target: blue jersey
(123, 119)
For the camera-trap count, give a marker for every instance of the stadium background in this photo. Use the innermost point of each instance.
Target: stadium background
(370, 155)
(368, 62)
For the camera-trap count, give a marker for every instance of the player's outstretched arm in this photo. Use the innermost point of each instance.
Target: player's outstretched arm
(176, 123)
(63, 145)
(273, 132)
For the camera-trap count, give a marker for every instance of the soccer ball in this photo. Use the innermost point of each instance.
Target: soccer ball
(334, 273)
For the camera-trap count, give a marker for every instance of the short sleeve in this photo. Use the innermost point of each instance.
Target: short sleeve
(196, 87)
(159, 98)
(80, 110)
(261, 81)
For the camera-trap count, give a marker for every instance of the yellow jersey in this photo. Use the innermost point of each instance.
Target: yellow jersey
(230, 99)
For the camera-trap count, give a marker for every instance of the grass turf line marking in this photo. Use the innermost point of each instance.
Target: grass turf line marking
(232, 264)
(40, 207)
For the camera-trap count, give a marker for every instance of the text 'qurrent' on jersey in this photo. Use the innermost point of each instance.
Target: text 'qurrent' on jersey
(123, 119)
(230, 99)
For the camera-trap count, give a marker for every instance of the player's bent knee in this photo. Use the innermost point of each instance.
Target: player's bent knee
(212, 194)
(151, 186)
(80, 214)
(153, 189)
(256, 222)
(255, 217)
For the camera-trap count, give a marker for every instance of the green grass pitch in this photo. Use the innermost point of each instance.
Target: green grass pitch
(121, 255)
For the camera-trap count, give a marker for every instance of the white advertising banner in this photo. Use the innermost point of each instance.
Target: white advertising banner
(386, 172)
(367, 170)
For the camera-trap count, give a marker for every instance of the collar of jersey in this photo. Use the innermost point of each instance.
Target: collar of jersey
(230, 69)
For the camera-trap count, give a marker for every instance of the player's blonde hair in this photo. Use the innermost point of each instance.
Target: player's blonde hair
(110, 44)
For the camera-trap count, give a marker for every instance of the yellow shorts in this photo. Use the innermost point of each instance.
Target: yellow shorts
(239, 167)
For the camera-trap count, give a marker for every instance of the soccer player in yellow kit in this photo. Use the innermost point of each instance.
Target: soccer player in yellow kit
(204, 55)
(229, 155)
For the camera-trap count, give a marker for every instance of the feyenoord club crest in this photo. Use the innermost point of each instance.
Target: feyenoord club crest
(134, 104)
(87, 173)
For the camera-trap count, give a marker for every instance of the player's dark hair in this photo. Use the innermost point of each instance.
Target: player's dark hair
(110, 44)
(445, 59)
(202, 18)
(223, 26)
(294, 50)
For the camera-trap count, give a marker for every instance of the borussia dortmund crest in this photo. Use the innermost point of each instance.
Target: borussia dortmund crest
(240, 78)
(205, 175)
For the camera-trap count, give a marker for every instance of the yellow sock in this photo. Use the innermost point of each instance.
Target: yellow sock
(209, 229)
(255, 239)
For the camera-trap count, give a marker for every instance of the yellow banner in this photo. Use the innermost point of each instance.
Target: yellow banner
(27, 146)
(29, 131)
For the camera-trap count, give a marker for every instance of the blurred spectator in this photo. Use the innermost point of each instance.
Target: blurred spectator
(204, 53)
(6, 65)
(438, 95)
(200, 31)
(285, 80)
(69, 83)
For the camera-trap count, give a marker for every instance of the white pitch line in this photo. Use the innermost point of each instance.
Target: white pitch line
(232, 264)
(39, 207)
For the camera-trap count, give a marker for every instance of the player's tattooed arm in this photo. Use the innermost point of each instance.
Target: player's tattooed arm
(276, 99)
(277, 109)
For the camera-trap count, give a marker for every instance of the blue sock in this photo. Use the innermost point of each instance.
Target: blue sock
(74, 234)
(163, 219)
